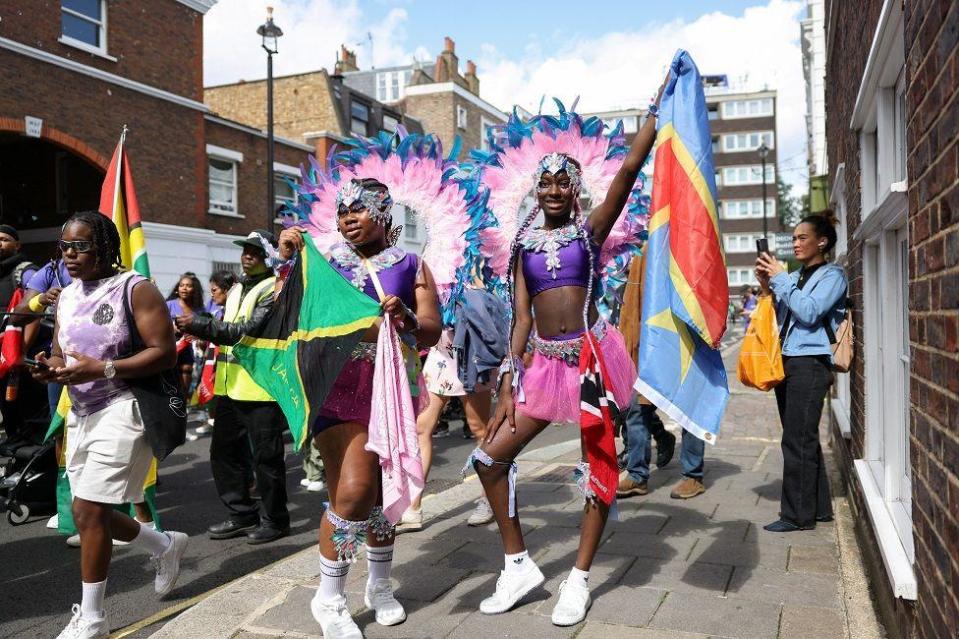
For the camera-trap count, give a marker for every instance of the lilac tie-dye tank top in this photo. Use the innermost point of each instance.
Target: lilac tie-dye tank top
(92, 321)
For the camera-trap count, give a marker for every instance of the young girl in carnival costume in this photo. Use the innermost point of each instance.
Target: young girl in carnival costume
(556, 275)
(352, 201)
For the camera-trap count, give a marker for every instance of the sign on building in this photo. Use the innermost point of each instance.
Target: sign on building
(32, 126)
(784, 245)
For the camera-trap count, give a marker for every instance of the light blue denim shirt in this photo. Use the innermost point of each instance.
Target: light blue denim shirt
(823, 296)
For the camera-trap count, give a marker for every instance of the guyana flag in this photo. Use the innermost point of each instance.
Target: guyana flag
(65, 497)
(298, 352)
(118, 201)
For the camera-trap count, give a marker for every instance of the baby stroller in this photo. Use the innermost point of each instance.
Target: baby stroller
(28, 481)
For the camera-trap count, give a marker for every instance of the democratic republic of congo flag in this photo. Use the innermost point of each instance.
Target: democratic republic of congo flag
(298, 352)
(118, 201)
(65, 523)
(685, 289)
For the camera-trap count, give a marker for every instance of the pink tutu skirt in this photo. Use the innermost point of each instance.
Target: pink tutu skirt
(551, 383)
(351, 397)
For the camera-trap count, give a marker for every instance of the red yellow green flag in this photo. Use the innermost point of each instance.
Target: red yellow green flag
(118, 201)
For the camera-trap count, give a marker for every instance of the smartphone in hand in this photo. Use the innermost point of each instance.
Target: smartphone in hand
(762, 246)
(32, 363)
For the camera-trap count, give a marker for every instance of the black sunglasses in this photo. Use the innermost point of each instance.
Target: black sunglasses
(80, 246)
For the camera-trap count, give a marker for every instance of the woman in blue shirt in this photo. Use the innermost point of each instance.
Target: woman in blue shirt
(807, 301)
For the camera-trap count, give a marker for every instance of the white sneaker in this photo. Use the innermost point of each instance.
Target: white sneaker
(574, 601)
(379, 597)
(316, 486)
(168, 564)
(335, 619)
(54, 522)
(81, 627)
(411, 521)
(482, 514)
(205, 428)
(510, 589)
(74, 541)
(304, 482)
(192, 437)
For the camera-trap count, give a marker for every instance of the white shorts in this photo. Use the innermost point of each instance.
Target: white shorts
(108, 456)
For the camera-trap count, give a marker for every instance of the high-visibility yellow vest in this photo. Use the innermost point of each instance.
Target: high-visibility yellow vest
(231, 379)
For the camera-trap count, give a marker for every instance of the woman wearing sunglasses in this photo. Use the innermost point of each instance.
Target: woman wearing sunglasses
(107, 456)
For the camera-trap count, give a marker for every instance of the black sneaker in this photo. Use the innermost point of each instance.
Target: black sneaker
(442, 430)
(229, 529)
(266, 533)
(665, 447)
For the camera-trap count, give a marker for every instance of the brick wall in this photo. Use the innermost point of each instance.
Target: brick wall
(251, 176)
(437, 113)
(301, 103)
(932, 105)
(148, 39)
(161, 143)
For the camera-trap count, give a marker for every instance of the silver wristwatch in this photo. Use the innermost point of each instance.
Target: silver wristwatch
(109, 370)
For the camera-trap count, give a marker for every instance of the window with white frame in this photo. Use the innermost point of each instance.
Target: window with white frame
(390, 123)
(391, 85)
(223, 186)
(751, 174)
(462, 117)
(743, 242)
(757, 108)
(285, 178)
(885, 472)
(740, 276)
(411, 230)
(359, 118)
(83, 23)
(748, 209)
(485, 125)
(749, 141)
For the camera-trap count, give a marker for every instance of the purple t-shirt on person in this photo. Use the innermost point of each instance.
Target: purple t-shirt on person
(92, 322)
(51, 275)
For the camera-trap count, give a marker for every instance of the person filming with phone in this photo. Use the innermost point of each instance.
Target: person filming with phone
(810, 303)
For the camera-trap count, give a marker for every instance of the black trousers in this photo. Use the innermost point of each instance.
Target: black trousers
(800, 398)
(239, 429)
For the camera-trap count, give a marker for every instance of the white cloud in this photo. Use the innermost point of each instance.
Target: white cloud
(619, 69)
(312, 34)
(622, 69)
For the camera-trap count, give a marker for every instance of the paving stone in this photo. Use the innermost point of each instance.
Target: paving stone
(792, 588)
(717, 616)
(821, 559)
(733, 553)
(293, 613)
(624, 605)
(707, 579)
(800, 622)
(645, 545)
(302, 566)
(596, 630)
(512, 625)
(426, 583)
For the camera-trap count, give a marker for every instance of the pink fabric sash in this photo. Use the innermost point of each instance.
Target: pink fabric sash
(392, 433)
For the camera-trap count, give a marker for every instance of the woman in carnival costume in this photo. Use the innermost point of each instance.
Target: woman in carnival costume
(347, 210)
(556, 276)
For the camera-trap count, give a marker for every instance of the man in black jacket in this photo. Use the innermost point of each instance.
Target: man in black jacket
(245, 413)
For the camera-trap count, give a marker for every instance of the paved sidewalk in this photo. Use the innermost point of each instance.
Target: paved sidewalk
(668, 569)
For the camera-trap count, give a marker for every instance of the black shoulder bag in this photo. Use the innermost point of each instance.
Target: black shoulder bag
(159, 397)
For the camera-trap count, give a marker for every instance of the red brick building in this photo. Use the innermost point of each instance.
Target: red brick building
(892, 123)
(74, 73)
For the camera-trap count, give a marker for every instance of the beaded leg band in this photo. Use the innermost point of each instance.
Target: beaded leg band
(379, 525)
(478, 456)
(584, 480)
(347, 536)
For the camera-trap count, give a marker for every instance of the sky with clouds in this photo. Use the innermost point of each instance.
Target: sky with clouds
(610, 53)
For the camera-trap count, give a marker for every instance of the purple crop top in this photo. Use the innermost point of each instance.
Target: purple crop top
(395, 268)
(556, 258)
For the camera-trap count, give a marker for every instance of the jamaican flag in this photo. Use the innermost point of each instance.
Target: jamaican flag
(299, 350)
(65, 523)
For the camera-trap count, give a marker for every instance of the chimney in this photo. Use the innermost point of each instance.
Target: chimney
(447, 64)
(472, 80)
(345, 61)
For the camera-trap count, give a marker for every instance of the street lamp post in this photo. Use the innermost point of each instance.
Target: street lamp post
(763, 153)
(270, 33)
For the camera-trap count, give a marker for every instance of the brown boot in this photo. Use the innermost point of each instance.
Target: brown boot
(629, 488)
(688, 488)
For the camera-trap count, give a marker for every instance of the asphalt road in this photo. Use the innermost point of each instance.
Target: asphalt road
(40, 574)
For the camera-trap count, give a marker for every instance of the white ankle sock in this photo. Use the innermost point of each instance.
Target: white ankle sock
(152, 541)
(92, 603)
(332, 578)
(578, 577)
(519, 564)
(379, 562)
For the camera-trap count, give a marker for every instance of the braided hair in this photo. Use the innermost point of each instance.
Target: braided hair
(105, 238)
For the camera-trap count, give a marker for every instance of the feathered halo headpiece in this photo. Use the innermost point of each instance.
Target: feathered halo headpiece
(418, 178)
(519, 151)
